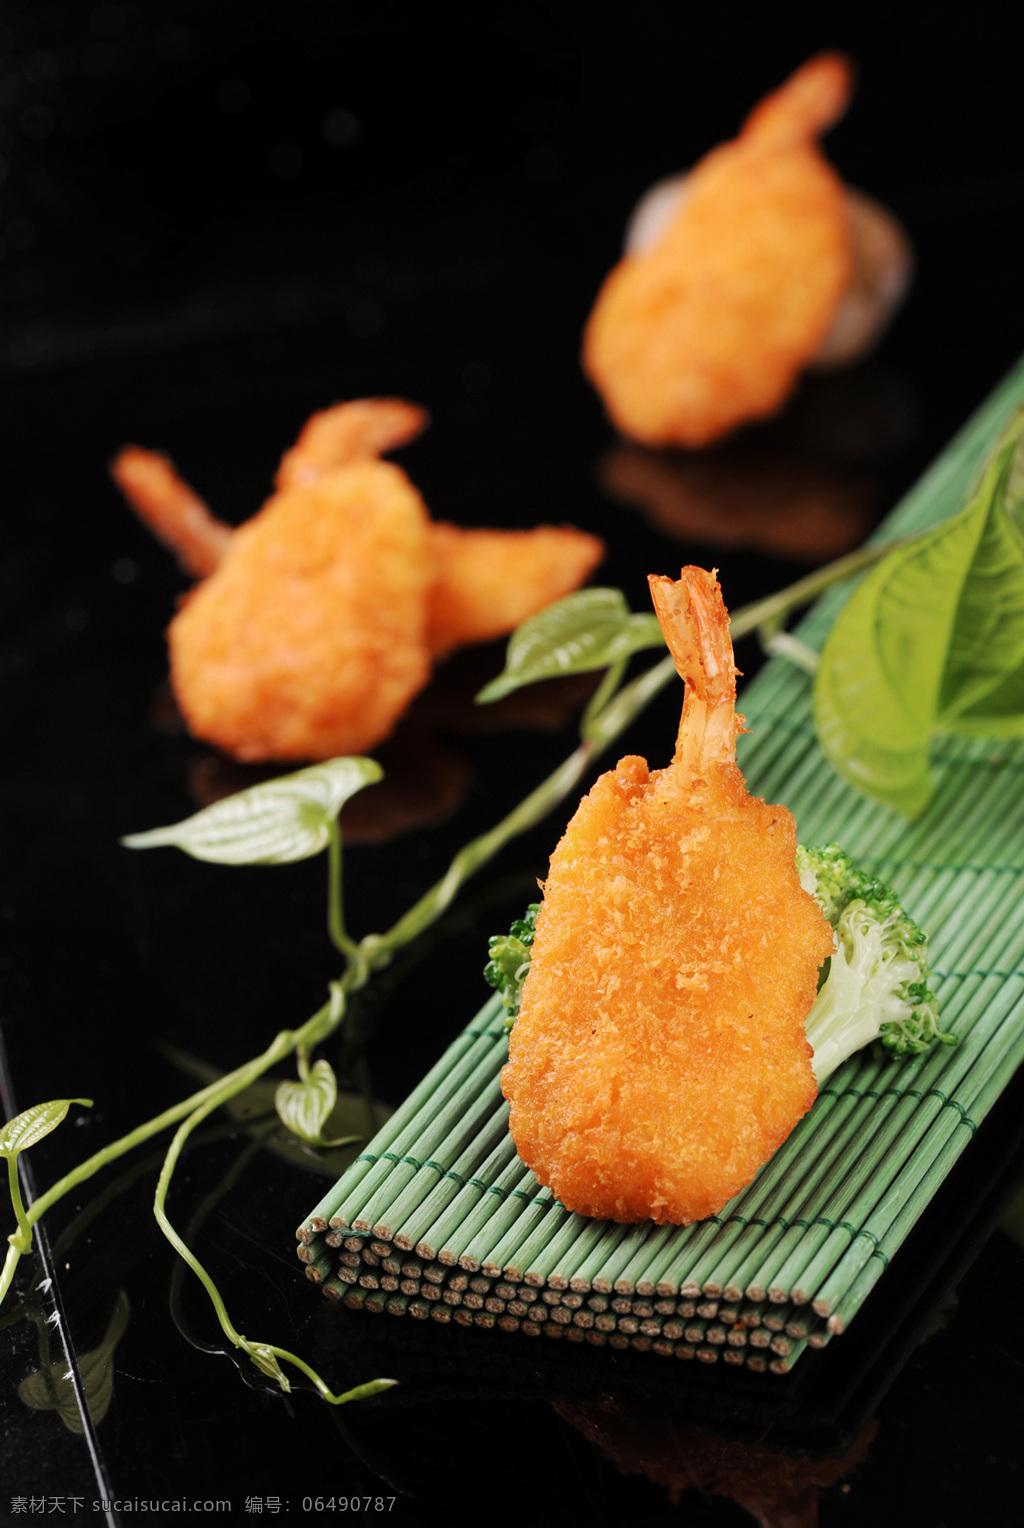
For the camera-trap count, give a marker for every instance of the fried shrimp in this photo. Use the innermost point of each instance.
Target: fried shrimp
(307, 642)
(708, 324)
(659, 1056)
(319, 619)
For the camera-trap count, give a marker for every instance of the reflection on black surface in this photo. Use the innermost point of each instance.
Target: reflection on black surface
(426, 779)
(804, 488)
(49, 1387)
(778, 1489)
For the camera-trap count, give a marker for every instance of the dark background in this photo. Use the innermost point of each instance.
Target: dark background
(215, 219)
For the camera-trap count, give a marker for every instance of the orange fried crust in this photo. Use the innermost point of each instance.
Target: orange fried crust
(711, 327)
(487, 581)
(308, 641)
(659, 1057)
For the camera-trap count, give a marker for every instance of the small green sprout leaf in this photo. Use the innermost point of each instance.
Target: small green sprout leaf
(305, 1106)
(591, 629)
(273, 823)
(930, 642)
(24, 1130)
(265, 1359)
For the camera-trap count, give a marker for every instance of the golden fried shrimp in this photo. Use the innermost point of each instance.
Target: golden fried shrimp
(308, 641)
(346, 432)
(710, 325)
(487, 581)
(176, 515)
(659, 1057)
(320, 618)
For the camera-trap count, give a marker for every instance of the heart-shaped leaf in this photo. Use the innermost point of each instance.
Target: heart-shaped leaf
(353, 1118)
(269, 824)
(588, 630)
(305, 1106)
(932, 641)
(26, 1129)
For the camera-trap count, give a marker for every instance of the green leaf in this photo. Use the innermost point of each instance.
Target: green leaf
(26, 1129)
(305, 1106)
(588, 630)
(352, 1119)
(932, 641)
(265, 1359)
(269, 824)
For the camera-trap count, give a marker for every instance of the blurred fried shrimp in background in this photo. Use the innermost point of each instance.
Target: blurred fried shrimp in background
(307, 642)
(738, 275)
(319, 619)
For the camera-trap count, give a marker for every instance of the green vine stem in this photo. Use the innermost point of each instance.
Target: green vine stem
(22, 1238)
(335, 914)
(266, 1356)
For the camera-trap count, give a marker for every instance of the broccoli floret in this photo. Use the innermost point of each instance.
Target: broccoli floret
(510, 960)
(875, 986)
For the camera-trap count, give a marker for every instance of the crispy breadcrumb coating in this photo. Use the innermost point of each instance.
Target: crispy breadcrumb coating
(659, 1057)
(711, 326)
(308, 641)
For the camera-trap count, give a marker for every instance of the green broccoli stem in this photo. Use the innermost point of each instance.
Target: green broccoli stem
(836, 1026)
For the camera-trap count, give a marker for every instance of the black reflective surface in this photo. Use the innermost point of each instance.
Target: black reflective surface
(214, 224)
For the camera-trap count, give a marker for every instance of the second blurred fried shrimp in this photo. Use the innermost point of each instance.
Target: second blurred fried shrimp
(710, 324)
(308, 641)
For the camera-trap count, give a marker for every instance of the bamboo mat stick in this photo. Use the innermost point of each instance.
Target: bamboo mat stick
(436, 1184)
(479, 1035)
(512, 1186)
(462, 1112)
(496, 1176)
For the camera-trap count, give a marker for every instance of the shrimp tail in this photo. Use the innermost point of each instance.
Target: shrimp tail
(175, 514)
(810, 102)
(349, 432)
(695, 623)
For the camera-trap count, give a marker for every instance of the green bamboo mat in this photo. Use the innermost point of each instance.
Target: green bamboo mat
(439, 1220)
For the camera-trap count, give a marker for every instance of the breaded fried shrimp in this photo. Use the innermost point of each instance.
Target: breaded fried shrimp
(319, 619)
(308, 641)
(710, 325)
(659, 1056)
